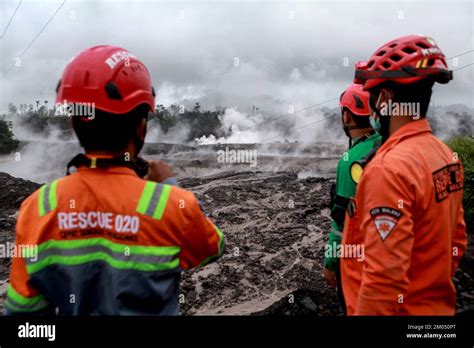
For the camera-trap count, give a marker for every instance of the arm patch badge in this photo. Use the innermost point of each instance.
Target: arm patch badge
(385, 219)
(448, 179)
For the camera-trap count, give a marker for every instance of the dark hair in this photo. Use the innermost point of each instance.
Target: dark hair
(107, 131)
(418, 92)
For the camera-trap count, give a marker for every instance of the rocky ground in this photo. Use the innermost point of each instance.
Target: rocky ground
(275, 219)
(12, 192)
(275, 226)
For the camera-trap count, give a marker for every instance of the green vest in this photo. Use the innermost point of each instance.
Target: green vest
(345, 188)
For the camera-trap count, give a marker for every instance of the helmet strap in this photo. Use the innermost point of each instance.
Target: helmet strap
(347, 128)
(384, 119)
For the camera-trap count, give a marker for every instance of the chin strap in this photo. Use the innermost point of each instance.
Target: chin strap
(384, 120)
(364, 137)
(348, 134)
(139, 165)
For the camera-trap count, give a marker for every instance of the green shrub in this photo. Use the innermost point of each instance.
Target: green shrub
(464, 147)
(7, 141)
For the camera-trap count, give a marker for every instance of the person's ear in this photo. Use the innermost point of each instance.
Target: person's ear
(385, 95)
(349, 120)
(141, 129)
(346, 117)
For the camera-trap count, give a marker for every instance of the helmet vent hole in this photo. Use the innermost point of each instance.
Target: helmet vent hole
(358, 103)
(136, 67)
(386, 65)
(112, 91)
(381, 53)
(408, 50)
(393, 45)
(422, 45)
(369, 65)
(395, 57)
(431, 62)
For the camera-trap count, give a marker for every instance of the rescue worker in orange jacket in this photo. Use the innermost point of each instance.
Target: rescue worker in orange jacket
(407, 216)
(363, 141)
(103, 240)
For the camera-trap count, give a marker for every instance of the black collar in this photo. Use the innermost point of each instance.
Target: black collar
(139, 165)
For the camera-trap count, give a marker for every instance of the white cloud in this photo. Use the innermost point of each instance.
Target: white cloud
(290, 53)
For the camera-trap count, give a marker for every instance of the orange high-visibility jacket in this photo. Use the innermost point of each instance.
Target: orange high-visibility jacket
(407, 220)
(108, 242)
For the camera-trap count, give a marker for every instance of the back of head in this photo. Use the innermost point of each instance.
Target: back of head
(355, 99)
(115, 89)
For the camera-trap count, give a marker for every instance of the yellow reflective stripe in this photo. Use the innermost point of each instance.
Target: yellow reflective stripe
(53, 202)
(146, 197)
(220, 247)
(22, 300)
(47, 198)
(154, 199)
(160, 207)
(41, 200)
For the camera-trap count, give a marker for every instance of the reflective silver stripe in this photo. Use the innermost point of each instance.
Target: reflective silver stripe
(153, 259)
(47, 198)
(46, 205)
(155, 198)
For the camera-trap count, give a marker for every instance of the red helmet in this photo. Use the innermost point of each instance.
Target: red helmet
(405, 60)
(108, 77)
(356, 100)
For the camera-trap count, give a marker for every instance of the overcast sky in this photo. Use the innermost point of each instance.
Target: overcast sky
(290, 53)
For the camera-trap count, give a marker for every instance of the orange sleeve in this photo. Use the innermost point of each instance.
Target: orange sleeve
(22, 298)
(202, 241)
(459, 240)
(388, 229)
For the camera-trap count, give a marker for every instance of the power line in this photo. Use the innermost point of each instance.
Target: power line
(465, 66)
(35, 38)
(326, 118)
(329, 100)
(290, 113)
(11, 18)
(461, 54)
(304, 126)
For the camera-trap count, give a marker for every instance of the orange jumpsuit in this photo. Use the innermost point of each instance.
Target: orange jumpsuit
(407, 219)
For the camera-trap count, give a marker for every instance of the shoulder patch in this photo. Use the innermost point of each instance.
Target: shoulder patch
(385, 219)
(356, 170)
(448, 179)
